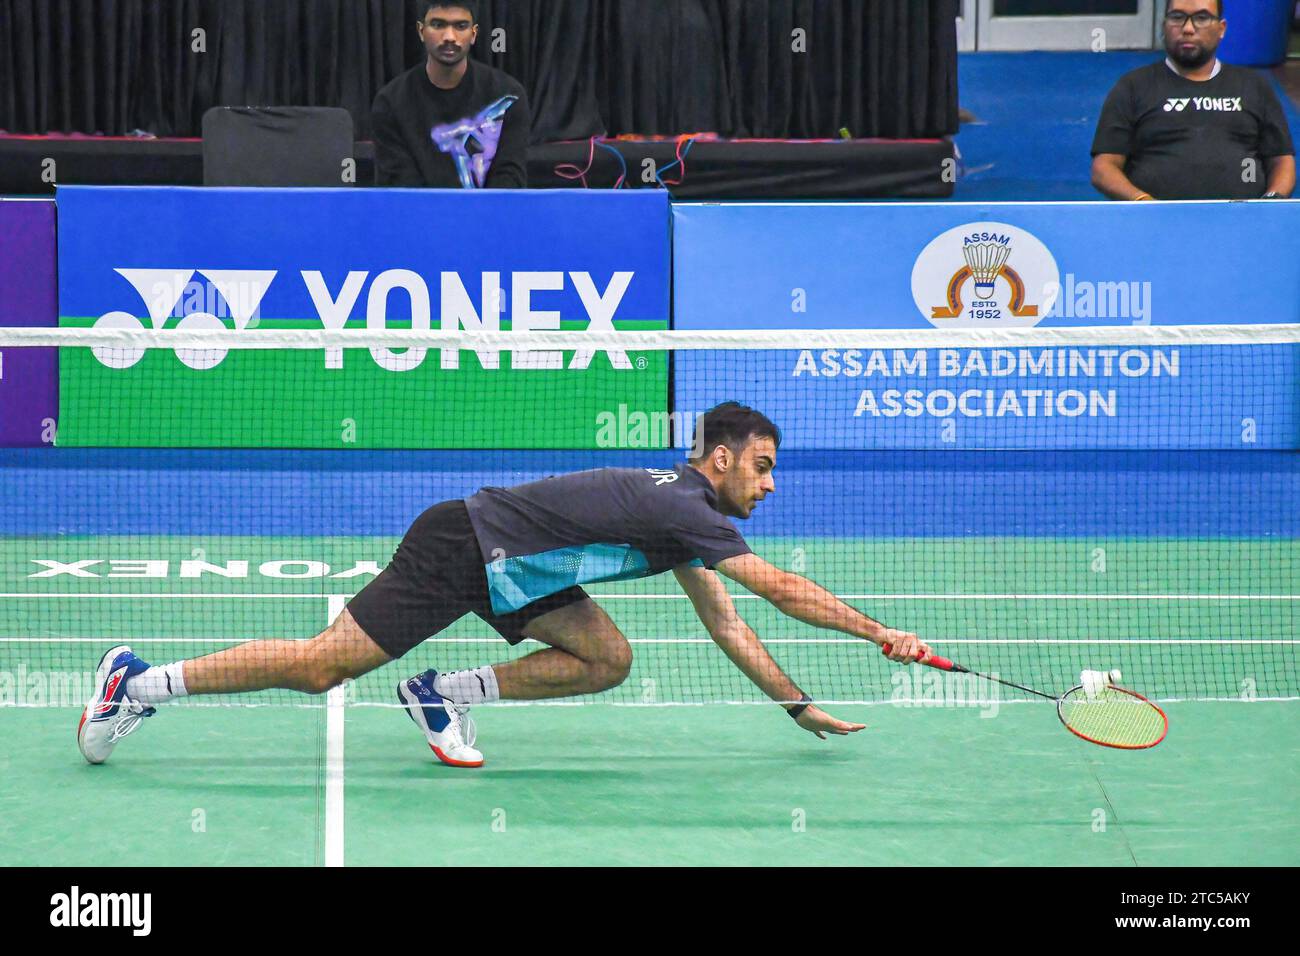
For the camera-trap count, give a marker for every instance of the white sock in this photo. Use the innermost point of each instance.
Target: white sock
(477, 686)
(157, 685)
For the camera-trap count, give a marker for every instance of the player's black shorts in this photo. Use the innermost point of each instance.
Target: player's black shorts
(435, 578)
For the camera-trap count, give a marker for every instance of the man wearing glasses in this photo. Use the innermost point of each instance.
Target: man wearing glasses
(1192, 127)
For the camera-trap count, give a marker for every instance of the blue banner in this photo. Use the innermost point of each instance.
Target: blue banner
(287, 254)
(1008, 266)
(979, 265)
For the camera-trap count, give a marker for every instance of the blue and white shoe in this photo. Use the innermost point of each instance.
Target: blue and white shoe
(447, 726)
(111, 715)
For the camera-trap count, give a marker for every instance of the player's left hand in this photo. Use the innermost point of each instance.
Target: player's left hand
(817, 721)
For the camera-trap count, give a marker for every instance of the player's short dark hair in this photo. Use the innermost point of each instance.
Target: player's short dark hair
(1222, 15)
(734, 425)
(470, 5)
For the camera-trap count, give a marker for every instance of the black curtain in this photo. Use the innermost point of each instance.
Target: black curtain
(735, 67)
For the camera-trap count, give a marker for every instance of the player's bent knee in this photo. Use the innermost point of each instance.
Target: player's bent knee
(315, 671)
(614, 664)
(342, 651)
(311, 677)
(320, 681)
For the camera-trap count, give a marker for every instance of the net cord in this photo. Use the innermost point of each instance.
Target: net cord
(679, 340)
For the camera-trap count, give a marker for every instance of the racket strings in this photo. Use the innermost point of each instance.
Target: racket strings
(1113, 717)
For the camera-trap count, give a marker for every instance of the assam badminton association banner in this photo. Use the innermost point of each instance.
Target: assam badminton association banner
(1001, 266)
(239, 259)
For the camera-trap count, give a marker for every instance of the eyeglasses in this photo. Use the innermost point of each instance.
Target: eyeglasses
(1200, 19)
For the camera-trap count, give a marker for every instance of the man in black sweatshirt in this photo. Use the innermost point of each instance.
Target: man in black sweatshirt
(450, 122)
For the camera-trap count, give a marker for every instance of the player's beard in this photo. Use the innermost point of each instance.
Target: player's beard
(1190, 60)
(729, 506)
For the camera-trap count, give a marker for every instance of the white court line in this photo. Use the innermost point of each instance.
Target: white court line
(749, 597)
(334, 760)
(496, 639)
(767, 703)
(167, 594)
(602, 702)
(986, 597)
(135, 640)
(1044, 641)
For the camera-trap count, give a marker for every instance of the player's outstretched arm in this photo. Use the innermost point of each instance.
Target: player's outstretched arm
(807, 601)
(730, 632)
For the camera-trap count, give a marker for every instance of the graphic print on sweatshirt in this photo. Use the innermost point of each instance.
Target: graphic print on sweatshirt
(472, 142)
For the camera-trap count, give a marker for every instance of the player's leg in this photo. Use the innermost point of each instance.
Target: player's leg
(587, 653)
(407, 602)
(341, 651)
(127, 688)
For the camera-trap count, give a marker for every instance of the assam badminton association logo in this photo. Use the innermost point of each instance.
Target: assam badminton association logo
(985, 275)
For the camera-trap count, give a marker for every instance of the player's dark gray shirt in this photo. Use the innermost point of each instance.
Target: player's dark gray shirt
(609, 524)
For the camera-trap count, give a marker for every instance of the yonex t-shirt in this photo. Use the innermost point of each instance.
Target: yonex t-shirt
(609, 524)
(1194, 140)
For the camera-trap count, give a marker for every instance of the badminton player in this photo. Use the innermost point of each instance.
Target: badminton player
(517, 557)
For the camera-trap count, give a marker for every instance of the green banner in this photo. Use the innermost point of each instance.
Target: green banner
(350, 398)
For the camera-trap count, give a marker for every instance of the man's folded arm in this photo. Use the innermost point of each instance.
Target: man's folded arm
(510, 165)
(394, 164)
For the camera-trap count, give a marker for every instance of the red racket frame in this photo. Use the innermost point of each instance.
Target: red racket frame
(943, 664)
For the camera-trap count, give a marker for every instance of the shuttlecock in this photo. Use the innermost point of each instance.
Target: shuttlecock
(1092, 682)
(1115, 675)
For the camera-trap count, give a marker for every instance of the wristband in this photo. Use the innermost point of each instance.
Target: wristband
(799, 708)
(1140, 196)
(1271, 195)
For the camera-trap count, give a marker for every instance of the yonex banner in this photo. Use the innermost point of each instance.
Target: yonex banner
(1002, 266)
(28, 377)
(241, 259)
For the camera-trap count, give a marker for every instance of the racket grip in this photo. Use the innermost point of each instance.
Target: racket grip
(933, 660)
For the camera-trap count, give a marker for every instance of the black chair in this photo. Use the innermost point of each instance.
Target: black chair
(278, 146)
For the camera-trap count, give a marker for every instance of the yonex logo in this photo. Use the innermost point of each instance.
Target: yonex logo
(1218, 104)
(171, 291)
(1206, 104)
(281, 569)
(166, 291)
